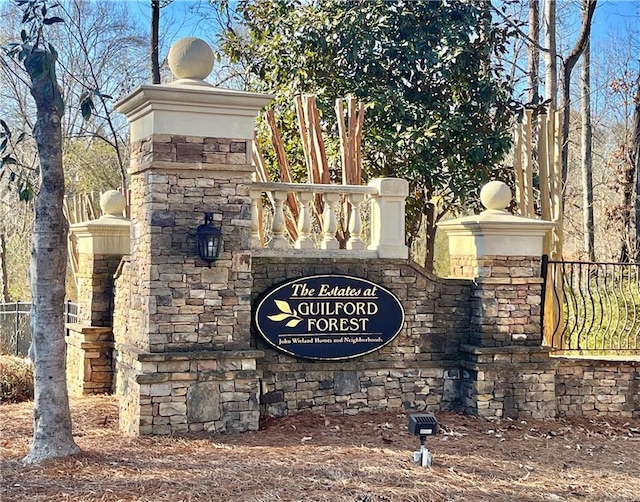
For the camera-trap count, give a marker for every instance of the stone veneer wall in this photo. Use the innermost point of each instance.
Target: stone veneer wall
(506, 371)
(90, 340)
(590, 388)
(183, 356)
(507, 294)
(178, 302)
(180, 391)
(514, 382)
(89, 359)
(419, 370)
(125, 384)
(187, 361)
(95, 288)
(494, 266)
(429, 366)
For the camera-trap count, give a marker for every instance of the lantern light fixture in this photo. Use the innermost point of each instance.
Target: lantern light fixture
(209, 240)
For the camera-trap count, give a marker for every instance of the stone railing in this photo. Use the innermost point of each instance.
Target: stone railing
(386, 199)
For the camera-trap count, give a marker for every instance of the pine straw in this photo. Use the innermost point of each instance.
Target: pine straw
(335, 458)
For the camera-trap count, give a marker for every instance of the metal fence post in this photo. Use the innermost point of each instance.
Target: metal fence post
(17, 328)
(543, 274)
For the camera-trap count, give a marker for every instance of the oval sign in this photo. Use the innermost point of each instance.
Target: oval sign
(328, 317)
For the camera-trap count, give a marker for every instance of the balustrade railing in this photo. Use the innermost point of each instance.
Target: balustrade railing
(331, 217)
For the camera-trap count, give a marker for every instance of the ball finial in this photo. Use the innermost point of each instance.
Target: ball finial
(191, 58)
(495, 195)
(112, 203)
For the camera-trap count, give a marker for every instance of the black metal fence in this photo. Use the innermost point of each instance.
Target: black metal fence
(15, 326)
(591, 307)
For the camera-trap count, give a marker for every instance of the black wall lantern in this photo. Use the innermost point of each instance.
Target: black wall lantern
(209, 240)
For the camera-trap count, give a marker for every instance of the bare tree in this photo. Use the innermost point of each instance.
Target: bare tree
(533, 68)
(154, 39)
(586, 18)
(612, 72)
(587, 158)
(98, 35)
(635, 161)
(551, 53)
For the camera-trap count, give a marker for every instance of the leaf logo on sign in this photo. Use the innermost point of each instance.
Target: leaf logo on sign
(285, 313)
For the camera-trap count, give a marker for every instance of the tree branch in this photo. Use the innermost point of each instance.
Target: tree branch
(583, 37)
(518, 29)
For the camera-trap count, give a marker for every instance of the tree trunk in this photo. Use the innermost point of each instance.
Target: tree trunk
(534, 53)
(588, 8)
(155, 29)
(551, 72)
(429, 219)
(52, 418)
(586, 140)
(635, 162)
(626, 252)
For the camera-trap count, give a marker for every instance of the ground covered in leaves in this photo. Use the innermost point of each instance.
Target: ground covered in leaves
(333, 458)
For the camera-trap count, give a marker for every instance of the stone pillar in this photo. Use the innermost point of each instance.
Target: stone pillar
(101, 244)
(506, 370)
(183, 358)
(387, 217)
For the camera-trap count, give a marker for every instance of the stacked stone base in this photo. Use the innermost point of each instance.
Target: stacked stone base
(89, 363)
(179, 392)
(513, 382)
(591, 388)
(348, 392)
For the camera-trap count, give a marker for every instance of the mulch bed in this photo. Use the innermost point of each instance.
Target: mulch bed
(305, 457)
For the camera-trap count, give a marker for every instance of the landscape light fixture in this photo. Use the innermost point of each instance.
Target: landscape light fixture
(209, 240)
(423, 425)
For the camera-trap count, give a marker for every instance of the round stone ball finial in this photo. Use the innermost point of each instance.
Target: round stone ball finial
(112, 203)
(191, 58)
(495, 195)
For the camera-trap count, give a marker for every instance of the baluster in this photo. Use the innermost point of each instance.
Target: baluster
(278, 241)
(304, 221)
(255, 219)
(355, 222)
(330, 225)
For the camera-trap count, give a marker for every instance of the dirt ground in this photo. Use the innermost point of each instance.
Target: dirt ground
(365, 458)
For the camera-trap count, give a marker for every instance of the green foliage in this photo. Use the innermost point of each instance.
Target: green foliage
(16, 380)
(437, 114)
(87, 106)
(17, 179)
(90, 166)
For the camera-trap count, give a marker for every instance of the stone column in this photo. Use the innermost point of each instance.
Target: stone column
(507, 372)
(183, 357)
(101, 244)
(387, 217)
